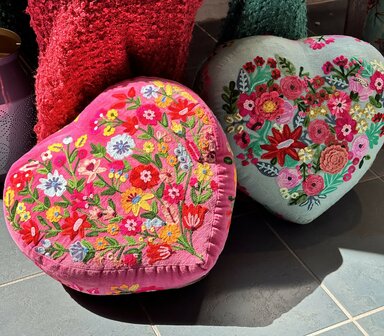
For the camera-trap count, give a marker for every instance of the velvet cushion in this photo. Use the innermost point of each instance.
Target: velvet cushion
(304, 118)
(135, 195)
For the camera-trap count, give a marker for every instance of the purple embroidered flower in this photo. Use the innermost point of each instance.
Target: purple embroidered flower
(288, 178)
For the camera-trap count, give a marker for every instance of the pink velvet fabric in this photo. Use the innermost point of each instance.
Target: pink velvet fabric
(135, 195)
(85, 46)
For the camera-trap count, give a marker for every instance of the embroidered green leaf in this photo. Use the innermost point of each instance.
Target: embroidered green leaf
(98, 151)
(62, 204)
(89, 256)
(331, 181)
(373, 134)
(72, 184)
(38, 208)
(339, 83)
(150, 131)
(109, 191)
(228, 160)
(24, 192)
(112, 241)
(160, 190)
(35, 194)
(49, 166)
(243, 81)
(96, 199)
(81, 185)
(158, 161)
(115, 219)
(92, 234)
(130, 240)
(42, 171)
(112, 204)
(72, 157)
(286, 66)
(206, 196)
(99, 183)
(144, 136)
(28, 200)
(127, 166)
(57, 226)
(267, 169)
(42, 221)
(47, 202)
(374, 102)
(87, 244)
(261, 76)
(154, 207)
(141, 158)
(191, 122)
(13, 210)
(230, 97)
(194, 197)
(148, 215)
(52, 233)
(180, 178)
(164, 120)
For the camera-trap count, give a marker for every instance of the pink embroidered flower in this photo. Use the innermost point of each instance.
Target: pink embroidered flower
(242, 139)
(192, 150)
(313, 185)
(292, 86)
(275, 73)
(173, 193)
(148, 114)
(333, 159)
(288, 178)
(269, 106)
(341, 61)
(116, 165)
(260, 89)
(130, 260)
(327, 67)
(360, 146)
(345, 128)
(59, 160)
(90, 168)
(275, 87)
(377, 82)
(318, 82)
(339, 103)
(82, 154)
(194, 183)
(272, 62)
(246, 103)
(287, 115)
(315, 44)
(361, 86)
(318, 131)
(130, 226)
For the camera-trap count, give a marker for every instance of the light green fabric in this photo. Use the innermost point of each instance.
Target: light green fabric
(304, 118)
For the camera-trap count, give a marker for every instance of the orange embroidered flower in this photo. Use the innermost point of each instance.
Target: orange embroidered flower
(170, 233)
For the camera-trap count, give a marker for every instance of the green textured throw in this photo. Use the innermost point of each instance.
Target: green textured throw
(286, 18)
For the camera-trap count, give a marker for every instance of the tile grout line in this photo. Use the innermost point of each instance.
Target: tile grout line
(28, 277)
(204, 31)
(369, 313)
(152, 325)
(331, 327)
(325, 289)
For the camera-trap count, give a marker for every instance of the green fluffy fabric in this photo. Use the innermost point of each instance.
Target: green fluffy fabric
(286, 18)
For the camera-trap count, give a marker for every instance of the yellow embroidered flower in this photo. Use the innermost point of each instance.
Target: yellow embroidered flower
(203, 143)
(112, 114)
(100, 244)
(148, 147)
(169, 233)
(164, 100)
(56, 147)
(109, 130)
(362, 126)
(80, 142)
(176, 127)
(203, 172)
(162, 147)
(113, 229)
(306, 154)
(9, 197)
(134, 199)
(317, 111)
(124, 289)
(202, 115)
(25, 216)
(369, 111)
(20, 208)
(172, 160)
(53, 214)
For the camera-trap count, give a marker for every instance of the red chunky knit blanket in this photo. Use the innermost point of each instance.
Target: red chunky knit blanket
(87, 45)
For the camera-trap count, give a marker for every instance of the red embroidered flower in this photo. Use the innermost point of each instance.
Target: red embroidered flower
(30, 232)
(19, 180)
(144, 177)
(246, 103)
(173, 193)
(130, 260)
(345, 128)
(117, 165)
(377, 82)
(327, 67)
(182, 109)
(292, 86)
(275, 74)
(249, 67)
(130, 226)
(82, 154)
(313, 185)
(341, 61)
(283, 143)
(122, 97)
(269, 106)
(318, 82)
(193, 216)
(339, 103)
(157, 252)
(322, 96)
(192, 150)
(148, 114)
(275, 87)
(333, 159)
(131, 125)
(260, 89)
(259, 61)
(318, 131)
(242, 139)
(80, 199)
(75, 225)
(271, 62)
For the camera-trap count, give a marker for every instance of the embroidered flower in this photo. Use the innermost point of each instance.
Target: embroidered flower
(157, 252)
(130, 260)
(80, 142)
(292, 87)
(287, 116)
(345, 128)
(306, 155)
(242, 139)
(78, 251)
(339, 103)
(283, 143)
(120, 146)
(327, 67)
(144, 177)
(341, 61)
(75, 226)
(275, 74)
(148, 114)
(182, 109)
(193, 216)
(149, 91)
(53, 214)
(9, 197)
(318, 131)
(246, 103)
(45, 156)
(249, 67)
(377, 82)
(134, 199)
(288, 178)
(130, 226)
(313, 185)
(30, 232)
(259, 61)
(173, 193)
(360, 86)
(269, 106)
(169, 233)
(148, 147)
(154, 223)
(24, 216)
(90, 168)
(360, 146)
(333, 159)
(131, 125)
(54, 185)
(100, 244)
(203, 172)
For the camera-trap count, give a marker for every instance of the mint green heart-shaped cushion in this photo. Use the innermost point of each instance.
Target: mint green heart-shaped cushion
(304, 118)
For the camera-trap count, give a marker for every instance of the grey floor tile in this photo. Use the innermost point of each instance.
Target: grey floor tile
(13, 264)
(378, 165)
(256, 283)
(201, 47)
(345, 330)
(344, 247)
(373, 324)
(41, 306)
(369, 175)
(213, 27)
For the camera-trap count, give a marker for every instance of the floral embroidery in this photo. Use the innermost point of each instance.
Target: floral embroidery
(310, 134)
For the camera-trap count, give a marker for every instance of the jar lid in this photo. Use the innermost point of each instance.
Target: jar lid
(9, 42)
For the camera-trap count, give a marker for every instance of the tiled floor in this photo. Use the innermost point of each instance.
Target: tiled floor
(273, 278)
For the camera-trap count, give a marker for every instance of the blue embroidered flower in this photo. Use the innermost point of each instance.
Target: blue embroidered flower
(149, 91)
(120, 146)
(53, 185)
(77, 251)
(155, 222)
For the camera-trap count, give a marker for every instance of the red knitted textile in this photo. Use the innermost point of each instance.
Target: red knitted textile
(87, 45)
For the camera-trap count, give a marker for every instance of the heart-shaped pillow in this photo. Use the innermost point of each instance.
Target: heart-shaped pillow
(135, 195)
(304, 118)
